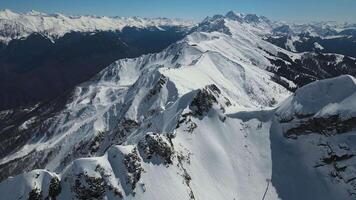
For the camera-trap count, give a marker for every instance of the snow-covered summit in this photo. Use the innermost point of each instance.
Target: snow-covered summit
(240, 17)
(248, 18)
(321, 29)
(17, 25)
(221, 22)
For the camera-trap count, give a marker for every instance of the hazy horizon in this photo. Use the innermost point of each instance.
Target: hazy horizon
(302, 11)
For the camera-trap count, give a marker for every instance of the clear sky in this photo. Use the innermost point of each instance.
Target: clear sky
(288, 10)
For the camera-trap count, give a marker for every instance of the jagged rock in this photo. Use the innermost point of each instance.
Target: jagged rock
(325, 126)
(157, 88)
(202, 102)
(87, 187)
(276, 78)
(155, 145)
(125, 127)
(334, 158)
(54, 188)
(35, 194)
(132, 162)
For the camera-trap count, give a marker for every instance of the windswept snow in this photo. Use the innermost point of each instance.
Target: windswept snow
(322, 97)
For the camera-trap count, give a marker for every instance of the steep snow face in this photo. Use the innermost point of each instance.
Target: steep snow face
(324, 97)
(313, 140)
(216, 161)
(17, 25)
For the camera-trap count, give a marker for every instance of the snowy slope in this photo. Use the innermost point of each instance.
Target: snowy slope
(319, 122)
(322, 98)
(17, 25)
(195, 121)
(213, 156)
(120, 91)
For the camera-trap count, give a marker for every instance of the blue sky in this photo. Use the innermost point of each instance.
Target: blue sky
(289, 10)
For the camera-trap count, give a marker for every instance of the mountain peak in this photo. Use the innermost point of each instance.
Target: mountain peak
(35, 13)
(234, 15)
(249, 18)
(7, 13)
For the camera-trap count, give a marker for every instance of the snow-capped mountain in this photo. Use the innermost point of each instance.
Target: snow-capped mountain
(18, 25)
(56, 52)
(325, 37)
(321, 29)
(212, 116)
(299, 65)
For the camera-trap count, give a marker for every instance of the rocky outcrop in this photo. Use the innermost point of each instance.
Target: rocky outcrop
(324, 125)
(87, 187)
(203, 101)
(35, 194)
(132, 162)
(156, 146)
(55, 188)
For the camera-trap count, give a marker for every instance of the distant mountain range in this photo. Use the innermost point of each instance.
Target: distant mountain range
(42, 56)
(19, 25)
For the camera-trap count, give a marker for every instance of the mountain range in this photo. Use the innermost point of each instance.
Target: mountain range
(236, 107)
(56, 52)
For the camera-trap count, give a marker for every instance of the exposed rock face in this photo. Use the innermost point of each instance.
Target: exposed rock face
(341, 43)
(326, 126)
(55, 188)
(338, 159)
(206, 98)
(35, 194)
(125, 127)
(155, 146)
(202, 102)
(132, 162)
(200, 106)
(311, 67)
(157, 88)
(87, 187)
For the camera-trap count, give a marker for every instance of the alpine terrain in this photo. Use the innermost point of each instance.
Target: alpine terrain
(56, 52)
(239, 108)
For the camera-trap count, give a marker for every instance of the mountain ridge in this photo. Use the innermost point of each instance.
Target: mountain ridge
(21, 25)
